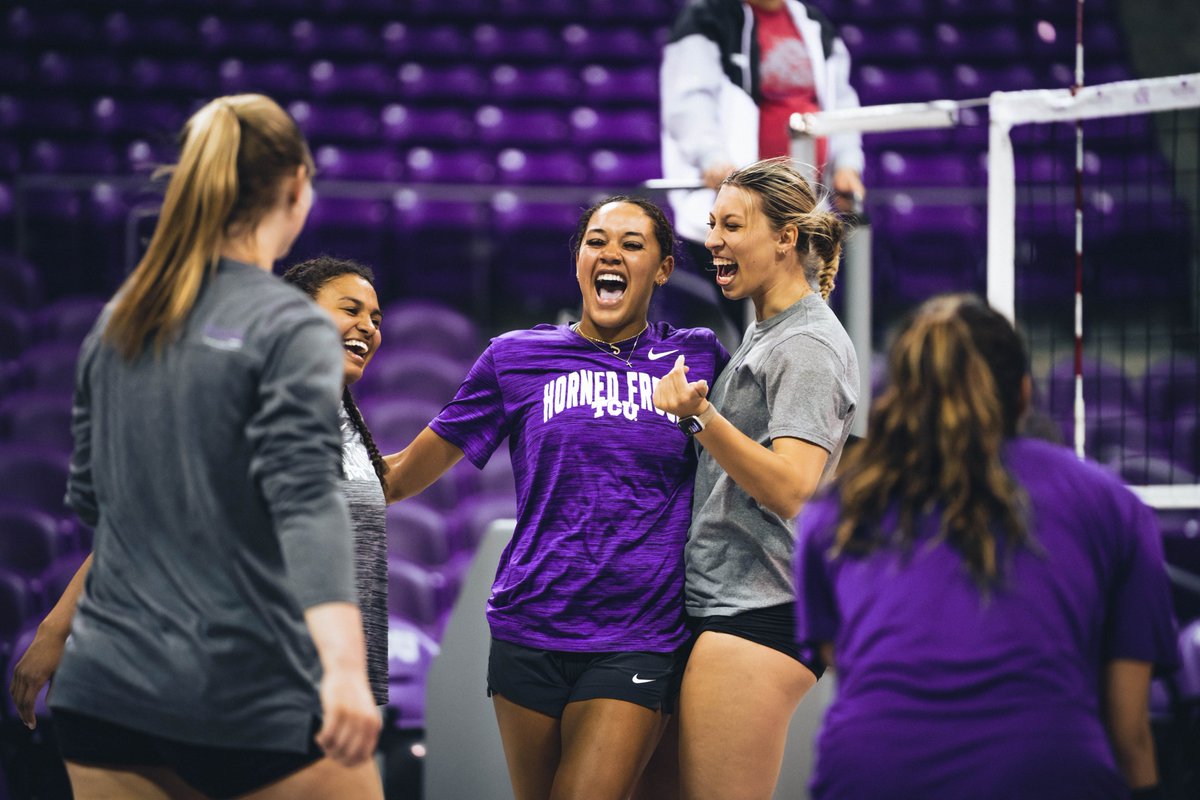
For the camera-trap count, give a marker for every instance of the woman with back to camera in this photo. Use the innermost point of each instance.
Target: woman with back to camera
(994, 605)
(345, 290)
(770, 431)
(216, 649)
(586, 610)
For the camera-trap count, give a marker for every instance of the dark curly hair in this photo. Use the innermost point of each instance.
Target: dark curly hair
(310, 276)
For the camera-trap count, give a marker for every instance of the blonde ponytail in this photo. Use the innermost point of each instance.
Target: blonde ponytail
(215, 185)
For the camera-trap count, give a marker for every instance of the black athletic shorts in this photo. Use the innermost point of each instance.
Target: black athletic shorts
(216, 771)
(546, 680)
(773, 627)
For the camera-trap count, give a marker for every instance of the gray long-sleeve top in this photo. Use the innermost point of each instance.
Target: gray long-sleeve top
(212, 474)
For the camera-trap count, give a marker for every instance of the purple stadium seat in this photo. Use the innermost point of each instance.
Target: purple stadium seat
(1000, 10)
(887, 43)
(29, 540)
(1171, 386)
(411, 651)
(68, 319)
(54, 157)
(614, 168)
(474, 514)
(359, 163)
(187, 76)
(340, 123)
(427, 125)
(333, 79)
(620, 85)
(59, 70)
(37, 418)
(433, 328)
(613, 128)
(20, 282)
(588, 44)
(465, 82)
(885, 10)
(33, 476)
(496, 477)
(544, 83)
(620, 11)
(326, 37)
(531, 43)
(234, 34)
(411, 374)
(113, 115)
(16, 606)
(394, 422)
(417, 593)
(463, 10)
(426, 165)
(977, 42)
(417, 533)
(451, 43)
(49, 366)
(53, 115)
(980, 81)
(55, 27)
(527, 166)
(279, 78)
(915, 84)
(14, 331)
(1107, 391)
(924, 169)
(12, 109)
(141, 31)
(348, 212)
(15, 70)
(514, 126)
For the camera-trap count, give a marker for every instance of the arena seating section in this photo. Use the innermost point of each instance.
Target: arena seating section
(456, 142)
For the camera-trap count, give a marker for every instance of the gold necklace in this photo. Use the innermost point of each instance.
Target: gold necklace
(611, 347)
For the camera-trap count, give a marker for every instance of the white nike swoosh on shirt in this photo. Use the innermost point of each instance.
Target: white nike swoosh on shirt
(636, 679)
(653, 356)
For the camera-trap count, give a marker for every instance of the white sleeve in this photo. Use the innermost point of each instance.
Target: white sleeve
(690, 81)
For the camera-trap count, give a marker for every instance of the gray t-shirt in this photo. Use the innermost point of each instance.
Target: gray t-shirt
(211, 472)
(795, 375)
(368, 519)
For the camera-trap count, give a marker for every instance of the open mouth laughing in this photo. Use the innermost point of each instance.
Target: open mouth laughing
(726, 269)
(610, 288)
(357, 348)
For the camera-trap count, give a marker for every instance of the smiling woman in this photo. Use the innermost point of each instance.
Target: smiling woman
(586, 611)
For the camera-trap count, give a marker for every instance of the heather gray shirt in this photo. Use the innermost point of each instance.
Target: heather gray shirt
(795, 375)
(368, 516)
(212, 474)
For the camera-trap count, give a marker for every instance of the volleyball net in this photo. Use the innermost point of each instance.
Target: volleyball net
(1086, 236)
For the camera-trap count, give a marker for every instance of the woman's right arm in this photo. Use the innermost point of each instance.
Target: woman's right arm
(416, 467)
(40, 661)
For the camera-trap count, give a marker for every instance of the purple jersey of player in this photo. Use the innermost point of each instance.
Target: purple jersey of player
(604, 484)
(946, 693)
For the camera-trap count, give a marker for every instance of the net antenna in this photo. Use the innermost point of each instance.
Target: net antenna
(1008, 110)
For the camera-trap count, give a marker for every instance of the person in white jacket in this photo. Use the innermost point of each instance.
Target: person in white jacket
(732, 74)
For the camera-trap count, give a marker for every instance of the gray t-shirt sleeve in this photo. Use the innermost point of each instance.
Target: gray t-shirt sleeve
(297, 458)
(807, 391)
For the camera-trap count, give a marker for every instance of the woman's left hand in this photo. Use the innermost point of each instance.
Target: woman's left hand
(675, 394)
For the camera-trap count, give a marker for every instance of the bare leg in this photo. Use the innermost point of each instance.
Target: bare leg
(134, 783)
(737, 700)
(531, 748)
(605, 747)
(325, 778)
(660, 778)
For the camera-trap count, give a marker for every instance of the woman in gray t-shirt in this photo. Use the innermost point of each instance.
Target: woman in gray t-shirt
(769, 431)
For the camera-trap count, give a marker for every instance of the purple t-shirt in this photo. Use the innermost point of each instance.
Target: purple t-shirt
(945, 694)
(604, 484)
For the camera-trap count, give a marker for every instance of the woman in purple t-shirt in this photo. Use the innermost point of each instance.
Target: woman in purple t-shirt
(995, 605)
(586, 612)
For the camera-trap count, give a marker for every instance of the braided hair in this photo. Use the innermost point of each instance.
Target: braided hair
(310, 276)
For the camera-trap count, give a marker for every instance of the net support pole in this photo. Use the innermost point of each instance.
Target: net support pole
(1001, 223)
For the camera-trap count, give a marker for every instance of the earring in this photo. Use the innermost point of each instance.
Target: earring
(661, 282)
